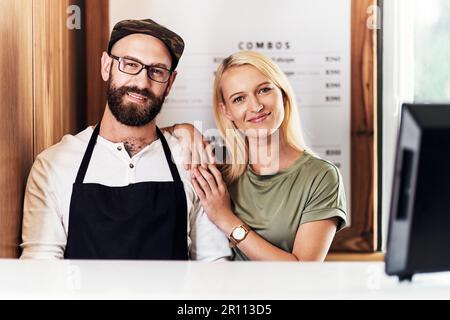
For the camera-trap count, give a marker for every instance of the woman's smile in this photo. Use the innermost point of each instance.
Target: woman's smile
(260, 118)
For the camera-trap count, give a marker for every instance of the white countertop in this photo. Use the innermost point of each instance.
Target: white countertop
(27, 279)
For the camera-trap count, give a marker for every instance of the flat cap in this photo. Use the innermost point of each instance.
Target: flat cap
(173, 41)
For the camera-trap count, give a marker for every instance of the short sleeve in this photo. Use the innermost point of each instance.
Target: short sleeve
(327, 199)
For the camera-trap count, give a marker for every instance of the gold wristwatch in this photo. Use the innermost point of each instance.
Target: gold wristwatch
(238, 234)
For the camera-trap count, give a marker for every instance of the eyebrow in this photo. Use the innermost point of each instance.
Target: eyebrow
(259, 85)
(235, 94)
(162, 65)
(133, 58)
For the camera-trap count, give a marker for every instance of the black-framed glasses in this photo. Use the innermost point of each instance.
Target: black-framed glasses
(134, 67)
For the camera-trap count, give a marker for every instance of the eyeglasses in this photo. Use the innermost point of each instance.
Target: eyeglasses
(133, 67)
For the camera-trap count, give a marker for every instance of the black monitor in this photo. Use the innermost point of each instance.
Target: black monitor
(419, 224)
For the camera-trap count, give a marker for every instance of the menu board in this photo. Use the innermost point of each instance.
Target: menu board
(309, 40)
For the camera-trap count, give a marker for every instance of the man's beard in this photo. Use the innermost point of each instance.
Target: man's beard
(133, 114)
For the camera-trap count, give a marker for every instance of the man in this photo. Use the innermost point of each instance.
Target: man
(113, 191)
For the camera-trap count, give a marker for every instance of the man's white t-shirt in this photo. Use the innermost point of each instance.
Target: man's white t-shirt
(49, 190)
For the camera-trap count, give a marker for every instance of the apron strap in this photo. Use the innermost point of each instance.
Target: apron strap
(172, 166)
(87, 156)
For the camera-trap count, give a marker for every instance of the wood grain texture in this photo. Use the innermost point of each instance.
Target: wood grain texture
(376, 256)
(97, 36)
(361, 236)
(42, 90)
(16, 122)
(58, 78)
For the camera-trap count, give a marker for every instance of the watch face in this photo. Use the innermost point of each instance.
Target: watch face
(239, 233)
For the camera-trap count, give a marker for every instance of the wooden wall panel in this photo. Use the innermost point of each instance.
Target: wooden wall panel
(16, 121)
(362, 234)
(97, 36)
(43, 80)
(59, 80)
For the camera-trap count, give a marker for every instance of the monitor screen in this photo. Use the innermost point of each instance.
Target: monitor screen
(419, 223)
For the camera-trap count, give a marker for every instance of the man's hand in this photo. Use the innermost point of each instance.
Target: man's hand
(196, 149)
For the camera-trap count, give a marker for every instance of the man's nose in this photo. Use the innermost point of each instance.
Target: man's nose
(142, 80)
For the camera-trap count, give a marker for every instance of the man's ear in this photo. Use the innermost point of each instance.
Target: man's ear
(171, 81)
(106, 66)
(225, 111)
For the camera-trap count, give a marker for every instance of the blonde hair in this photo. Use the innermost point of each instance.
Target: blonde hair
(236, 144)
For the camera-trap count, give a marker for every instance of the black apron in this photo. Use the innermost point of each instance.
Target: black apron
(145, 220)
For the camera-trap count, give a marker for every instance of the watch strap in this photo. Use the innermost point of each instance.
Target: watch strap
(233, 241)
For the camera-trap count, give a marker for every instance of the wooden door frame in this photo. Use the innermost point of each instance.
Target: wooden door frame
(362, 235)
(96, 19)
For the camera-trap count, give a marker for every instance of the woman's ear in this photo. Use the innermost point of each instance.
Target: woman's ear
(225, 111)
(106, 66)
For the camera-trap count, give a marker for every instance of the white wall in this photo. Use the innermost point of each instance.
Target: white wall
(212, 33)
(398, 86)
(134, 9)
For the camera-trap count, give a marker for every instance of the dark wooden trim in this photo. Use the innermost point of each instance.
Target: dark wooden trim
(380, 124)
(361, 236)
(97, 36)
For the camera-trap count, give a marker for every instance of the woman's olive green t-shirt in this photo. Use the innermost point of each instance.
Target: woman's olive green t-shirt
(275, 205)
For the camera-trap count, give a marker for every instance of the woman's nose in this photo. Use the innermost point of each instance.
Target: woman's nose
(257, 107)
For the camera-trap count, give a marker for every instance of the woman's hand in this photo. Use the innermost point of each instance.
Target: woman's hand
(196, 149)
(213, 193)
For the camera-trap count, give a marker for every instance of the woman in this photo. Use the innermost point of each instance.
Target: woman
(287, 203)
